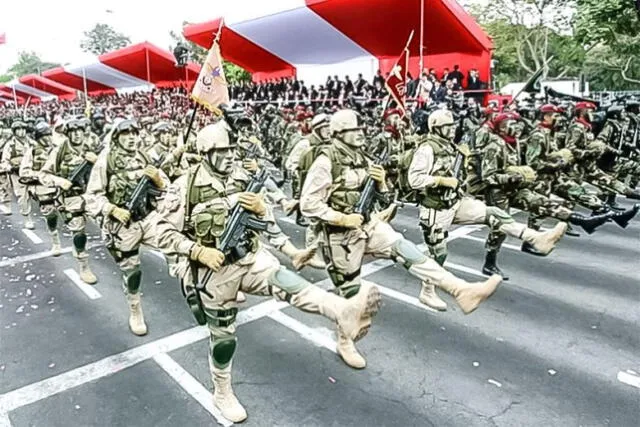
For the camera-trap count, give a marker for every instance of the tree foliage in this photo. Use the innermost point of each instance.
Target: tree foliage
(102, 39)
(29, 63)
(597, 38)
(198, 54)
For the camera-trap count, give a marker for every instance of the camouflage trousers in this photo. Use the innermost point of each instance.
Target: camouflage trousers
(605, 182)
(570, 190)
(628, 171)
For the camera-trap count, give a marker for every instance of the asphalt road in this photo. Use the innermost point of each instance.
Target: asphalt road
(557, 345)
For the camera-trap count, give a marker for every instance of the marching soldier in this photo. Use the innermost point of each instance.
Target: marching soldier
(331, 189)
(61, 170)
(12, 154)
(442, 203)
(508, 183)
(35, 156)
(116, 176)
(195, 216)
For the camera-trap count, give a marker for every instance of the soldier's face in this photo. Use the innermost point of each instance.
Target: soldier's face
(128, 140)
(165, 138)
(394, 121)
(221, 160)
(45, 140)
(324, 133)
(353, 138)
(20, 132)
(75, 136)
(447, 131)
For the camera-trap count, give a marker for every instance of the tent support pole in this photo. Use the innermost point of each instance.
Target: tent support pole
(421, 37)
(15, 98)
(146, 54)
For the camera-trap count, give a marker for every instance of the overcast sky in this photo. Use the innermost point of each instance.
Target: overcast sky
(54, 29)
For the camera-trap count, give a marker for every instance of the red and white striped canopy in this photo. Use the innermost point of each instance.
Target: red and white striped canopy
(36, 88)
(314, 38)
(139, 66)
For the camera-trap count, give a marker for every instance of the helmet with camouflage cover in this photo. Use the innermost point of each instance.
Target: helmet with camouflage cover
(42, 129)
(441, 123)
(320, 126)
(125, 134)
(346, 125)
(214, 144)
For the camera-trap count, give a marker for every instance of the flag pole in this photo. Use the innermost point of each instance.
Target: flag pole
(421, 37)
(15, 97)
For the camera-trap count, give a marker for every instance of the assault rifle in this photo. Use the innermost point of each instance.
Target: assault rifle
(80, 175)
(233, 240)
(369, 195)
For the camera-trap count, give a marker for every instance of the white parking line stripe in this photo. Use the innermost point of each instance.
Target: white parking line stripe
(110, 365)
(32, 236)
(4, 420)
(31, 257)
(191, 386)
(306, 332)
(504, 245)
(629, 379)
(89, 290)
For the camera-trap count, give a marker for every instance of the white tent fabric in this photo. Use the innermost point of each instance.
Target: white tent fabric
(44, 96)
(108, 76)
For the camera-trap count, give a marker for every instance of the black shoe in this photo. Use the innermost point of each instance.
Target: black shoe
(490, 268)
(623, 218)
(571, 232)
(530, 249)
(588, 224)
(301, 220)
(611, 203)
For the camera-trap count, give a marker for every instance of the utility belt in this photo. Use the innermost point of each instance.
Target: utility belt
(439, 199)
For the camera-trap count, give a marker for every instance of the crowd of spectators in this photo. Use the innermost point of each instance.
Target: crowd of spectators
(174, 103)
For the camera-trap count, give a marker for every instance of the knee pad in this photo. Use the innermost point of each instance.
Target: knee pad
(496, 217)
(439, 252)
(408, 251)
(288, 281)
(222, 350)
(52, 221)
(80, 241)
(132, 280)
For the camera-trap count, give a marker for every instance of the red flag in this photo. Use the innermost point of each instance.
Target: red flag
(211, 90)
(396, 83)
(3, 38)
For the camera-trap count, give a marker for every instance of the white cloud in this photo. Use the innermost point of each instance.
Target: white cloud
(54, 29)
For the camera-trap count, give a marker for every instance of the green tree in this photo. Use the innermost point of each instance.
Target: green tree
(102, 39)
(5, 78)
(198, 54)
(29, 63)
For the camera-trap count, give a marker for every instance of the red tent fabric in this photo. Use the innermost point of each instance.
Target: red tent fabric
(289, 36)
(49, 86)
(60, 75)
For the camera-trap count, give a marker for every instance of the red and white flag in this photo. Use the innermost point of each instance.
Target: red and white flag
(396, 83)
(3, 38)
(211, 89)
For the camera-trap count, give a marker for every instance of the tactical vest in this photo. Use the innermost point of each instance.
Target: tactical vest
(123, 176)
(443, 158)
(40, 156)
(17, 152)
(207, 227)
(67, 160)
(348, 172)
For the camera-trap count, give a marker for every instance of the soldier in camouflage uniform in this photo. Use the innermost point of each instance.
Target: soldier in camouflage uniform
(510, 184)
(442, 203)
(586, 151)
(331, 189)
(486, 129)
(631, 149)
(34, 159)
(195, 213)
(10, 160)
(114, 178)
(543, 156)
(5, 182)
(64, 159)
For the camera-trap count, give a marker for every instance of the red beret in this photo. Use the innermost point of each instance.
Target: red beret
(506, 116)
(301, 115)
(491, 110)
(584, 105)
(390, 112)
(549, 108)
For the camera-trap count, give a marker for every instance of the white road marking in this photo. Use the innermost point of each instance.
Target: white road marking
(504, 245)
(31, 257)
(404, 298)
(629, 379)
(4, 210)
(113, 364)
(191, 386)
(310, 334)
(464, 269)
(4, 420)
(287, 220)
(32, 236)
(157, 253)
(89, 290)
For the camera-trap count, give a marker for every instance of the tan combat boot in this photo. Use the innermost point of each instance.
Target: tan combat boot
(545, 242)
(136, 317)
(241, 297)
(86, 274)
(430, 298)
(299, 257)
(56, 249)
(349, 353)
(223, 397)
(28, 223)
(469, 295)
